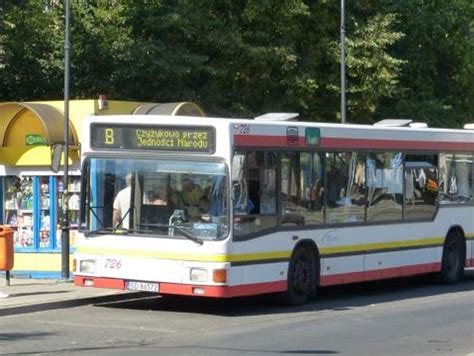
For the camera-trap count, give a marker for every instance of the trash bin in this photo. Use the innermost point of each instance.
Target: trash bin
(6, 248)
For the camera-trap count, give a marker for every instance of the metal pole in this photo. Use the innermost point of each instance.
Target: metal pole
(343, 64)
(65, 220)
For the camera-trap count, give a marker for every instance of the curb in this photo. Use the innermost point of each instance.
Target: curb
(71, 303)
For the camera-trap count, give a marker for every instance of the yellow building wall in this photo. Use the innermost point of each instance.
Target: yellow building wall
(35, 262)
(80, 109)
(39, 156)
(26, 123)
(15, 152)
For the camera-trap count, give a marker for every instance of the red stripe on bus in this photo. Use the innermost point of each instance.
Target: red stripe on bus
(110, 283)
(223, 291)
(384, 273)
(188, 289)
(268, 287)
(328, 142)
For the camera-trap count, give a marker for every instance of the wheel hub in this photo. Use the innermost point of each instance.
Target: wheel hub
(301, 273)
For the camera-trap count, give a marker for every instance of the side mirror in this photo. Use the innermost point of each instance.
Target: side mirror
(56, 152)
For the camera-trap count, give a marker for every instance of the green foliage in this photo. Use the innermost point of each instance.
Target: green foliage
(30, 42)
(410, 58)
(372, 72)
(100, 38)
(438, 48)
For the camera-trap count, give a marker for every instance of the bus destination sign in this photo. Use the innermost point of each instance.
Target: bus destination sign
(153, 137)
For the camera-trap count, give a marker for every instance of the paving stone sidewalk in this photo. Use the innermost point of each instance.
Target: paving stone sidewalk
(31, 295)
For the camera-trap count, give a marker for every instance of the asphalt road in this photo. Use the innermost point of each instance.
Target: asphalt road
(397, 317)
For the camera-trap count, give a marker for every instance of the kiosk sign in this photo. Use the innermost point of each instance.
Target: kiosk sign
(153, 137)
(35, 140)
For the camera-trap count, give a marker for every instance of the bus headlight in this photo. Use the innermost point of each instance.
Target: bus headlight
(198, 275)
(87, 266)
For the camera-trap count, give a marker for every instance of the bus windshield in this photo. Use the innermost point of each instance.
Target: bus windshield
(155, 197)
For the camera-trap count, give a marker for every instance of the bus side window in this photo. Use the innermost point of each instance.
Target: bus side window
(385, 186)
(302, 194)
(254, 181)
(346, 187)
(317, 192)
(240, 184)
(421, 186)
(254, 192)
(456, 178)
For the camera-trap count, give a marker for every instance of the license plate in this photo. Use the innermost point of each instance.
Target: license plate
(142, 286)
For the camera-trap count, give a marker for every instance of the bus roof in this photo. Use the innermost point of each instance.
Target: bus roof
(300, 134)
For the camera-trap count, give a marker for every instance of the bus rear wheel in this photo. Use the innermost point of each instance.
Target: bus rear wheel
(301, 280)
(453, 260)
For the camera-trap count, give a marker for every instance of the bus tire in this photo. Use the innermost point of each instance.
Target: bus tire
(301, 278)
(453, 260)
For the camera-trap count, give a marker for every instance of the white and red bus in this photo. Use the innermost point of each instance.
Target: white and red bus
(232, 207)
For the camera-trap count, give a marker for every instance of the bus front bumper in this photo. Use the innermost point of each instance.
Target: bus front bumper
(184, 289)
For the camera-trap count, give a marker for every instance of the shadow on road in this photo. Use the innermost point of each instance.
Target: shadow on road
(342, 297)
(56, 292)
(17, 336)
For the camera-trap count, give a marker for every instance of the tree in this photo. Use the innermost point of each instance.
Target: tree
(245, 58)
(372, 72)
(30, 42)
(410, 58)
(438, 48)
(100, 37)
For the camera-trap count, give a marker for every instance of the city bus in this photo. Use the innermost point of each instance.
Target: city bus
(220, 207)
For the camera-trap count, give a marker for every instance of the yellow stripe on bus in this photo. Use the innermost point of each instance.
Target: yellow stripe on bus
(382, 246)
(184, 256)
(259, 255)
(153, 254)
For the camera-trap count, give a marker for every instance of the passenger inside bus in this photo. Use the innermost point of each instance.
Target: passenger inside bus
(121, 212)
(192, 198)
(217, 206)
(316, 195)
(337, 178)
(159, 197)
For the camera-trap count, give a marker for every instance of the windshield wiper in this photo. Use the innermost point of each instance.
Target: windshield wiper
(181, 230)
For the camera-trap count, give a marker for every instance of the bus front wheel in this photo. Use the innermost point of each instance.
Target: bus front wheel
(301, 278)
(453, 260)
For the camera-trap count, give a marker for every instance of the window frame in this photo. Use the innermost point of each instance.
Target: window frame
(403, 220)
